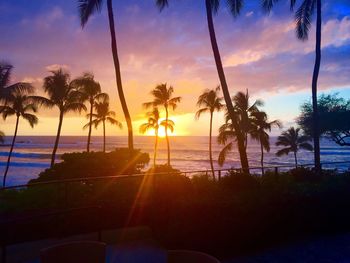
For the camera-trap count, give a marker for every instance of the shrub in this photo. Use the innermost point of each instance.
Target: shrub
(95, 164)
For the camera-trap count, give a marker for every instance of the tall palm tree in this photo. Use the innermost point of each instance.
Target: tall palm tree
(293, 141)
(152, 124)
(212, 7)
(86, 9)
(210, 102)
(103, 114)
(5, 88)
(303, 18)
(259, 132)
(21, 105)
(63, 95)
(162, 96)
(91, 91)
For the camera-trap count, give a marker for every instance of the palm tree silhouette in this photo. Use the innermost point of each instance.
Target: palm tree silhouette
(303, 18)
(103, 114)
(261, 125)
(212, 7)
(152, 124)
(91, 91)
(2, 137)
(244, 111)
(163, 97)
(210, 102)
(86, 9)
(64, 96)
(293, 141)
(20, 104)
(5, 88)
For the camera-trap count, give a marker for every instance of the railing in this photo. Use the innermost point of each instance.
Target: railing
(67, 182)
(186, 173)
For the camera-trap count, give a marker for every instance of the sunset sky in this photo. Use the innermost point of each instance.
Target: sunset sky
(260, 53)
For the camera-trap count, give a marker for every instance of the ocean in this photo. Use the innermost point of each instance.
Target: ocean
(32, 154)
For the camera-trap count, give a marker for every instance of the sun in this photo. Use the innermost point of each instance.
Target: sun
(161, 133)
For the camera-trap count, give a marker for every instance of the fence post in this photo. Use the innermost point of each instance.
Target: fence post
(219, 176)
(276, 170)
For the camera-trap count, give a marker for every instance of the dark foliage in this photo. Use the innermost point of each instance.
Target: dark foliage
(95, 164)
(334, 118)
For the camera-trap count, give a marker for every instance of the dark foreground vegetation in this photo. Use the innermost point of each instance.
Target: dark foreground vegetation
(233, 214)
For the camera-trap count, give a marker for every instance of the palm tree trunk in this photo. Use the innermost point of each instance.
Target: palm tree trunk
(90, 125)
(104, 136)
(224, 86)
(316, 135)
(53, 157)
(10, 153)
(296, 159)
(155, 149)
(210, 142)
(118, 75)
(166, 133)
(262, 158)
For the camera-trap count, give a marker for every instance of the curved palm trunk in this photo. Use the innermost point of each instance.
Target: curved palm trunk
(210, 142)
(10, 153)
(155, 149)
(296, 159)
(104, 136)
(262, 158)
(316, 135)
(166, 133)
(90, 126)
(118, 75)
(53, 157)
(224, 86)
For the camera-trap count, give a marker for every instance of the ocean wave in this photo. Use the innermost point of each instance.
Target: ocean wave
(27, 155)
(23, 164)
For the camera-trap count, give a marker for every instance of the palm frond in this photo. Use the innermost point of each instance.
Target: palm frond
(161, 4)
(284, 151)
(75, 107)
(303, 18)
(306, 146)
(114, 122)
(88, 8)
(223, 153)
(31, 118)
(200, 112)
(235, 7)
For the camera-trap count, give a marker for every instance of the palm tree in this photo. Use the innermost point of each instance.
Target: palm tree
(152, 124)
(86, 9)
(261, 125)
(212, 7)
(303, 18)
(2, 137)
(293, 141)
(244, 110)
(163, 97)
(210, 102)
(20, 104)
(64, 96)
(5, 88)
(103, 114)
(91, 91)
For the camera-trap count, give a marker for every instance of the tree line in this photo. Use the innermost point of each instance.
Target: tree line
(19, 100)
(303, 17)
